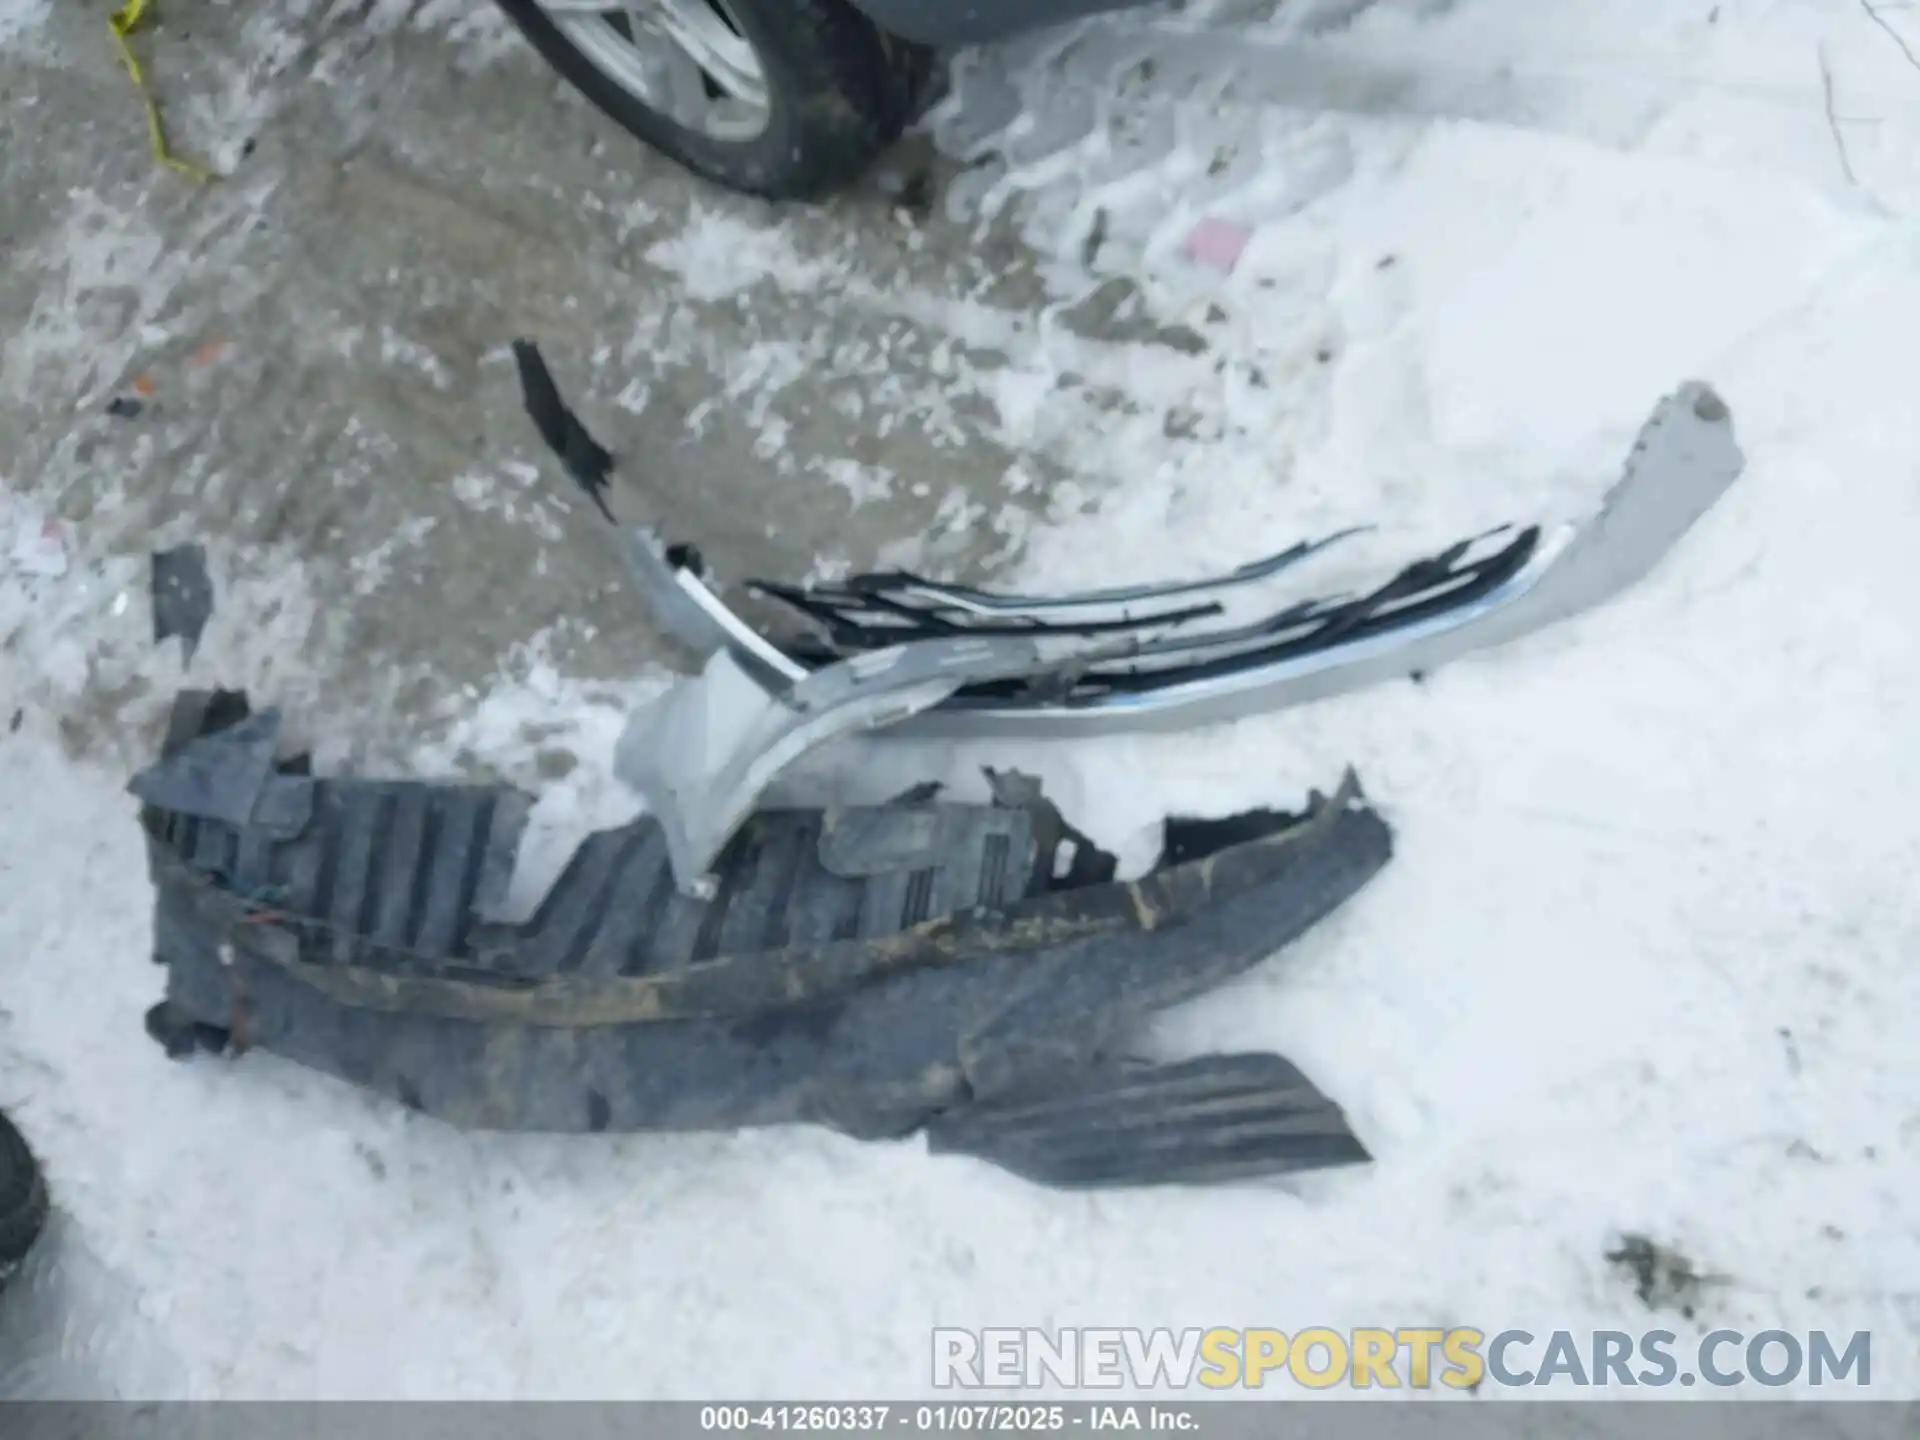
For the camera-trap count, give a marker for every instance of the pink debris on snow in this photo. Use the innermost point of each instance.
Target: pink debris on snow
(1217, 244)
(40, 542)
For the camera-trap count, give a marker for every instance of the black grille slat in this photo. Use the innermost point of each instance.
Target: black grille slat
(885, 901)
(379, 847)
(460, 823)
(846, 925)
(473, 865)
(599, 900)
(795, 859)
(351, 864)
(639, 893)
(752, 911)
(495, 875)
(919, 898)
(626, 943)
(404, 856)
(431, 826)
(733, 880)
(565, 922)
(636, 957)
(253, 864)
(325, 853)
(551, 904)
(213, 848)
(993, 871)
(669, 942)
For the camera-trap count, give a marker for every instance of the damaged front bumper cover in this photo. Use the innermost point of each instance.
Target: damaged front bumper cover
(1142, 659)
(884, 970)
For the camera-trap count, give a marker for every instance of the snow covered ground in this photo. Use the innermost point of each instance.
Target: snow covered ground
(1645, 961)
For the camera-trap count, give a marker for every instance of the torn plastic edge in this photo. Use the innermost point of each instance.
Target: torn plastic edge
(1010, 1089)
(231, 776)
(740, 985)
(671, 581)
(1214, 1118)
(705, 751)
(1683, 460)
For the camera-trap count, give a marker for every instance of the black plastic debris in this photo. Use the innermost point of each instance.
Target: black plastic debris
(880, 970)
(1221, 1117)
(23, 1199)
(585, 459)
(182, 596)
(867, 612)
(125, 407)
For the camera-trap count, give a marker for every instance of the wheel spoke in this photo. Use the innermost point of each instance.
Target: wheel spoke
(703, 32)
(684, 57)
(680, 73)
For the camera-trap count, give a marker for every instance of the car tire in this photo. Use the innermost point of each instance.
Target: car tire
(23, 1198)
(837, 92)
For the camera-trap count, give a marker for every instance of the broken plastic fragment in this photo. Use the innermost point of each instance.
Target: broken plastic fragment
(1221, 1117)
(878, 970)
(182, 596)
(231, 777)
(586, 460)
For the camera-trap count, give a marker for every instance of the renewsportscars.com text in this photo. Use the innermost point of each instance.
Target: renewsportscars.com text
(1415, 1358)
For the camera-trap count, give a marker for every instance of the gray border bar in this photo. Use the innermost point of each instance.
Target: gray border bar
(1463, 1419)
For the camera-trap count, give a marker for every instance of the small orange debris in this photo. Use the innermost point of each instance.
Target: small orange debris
(143, 385)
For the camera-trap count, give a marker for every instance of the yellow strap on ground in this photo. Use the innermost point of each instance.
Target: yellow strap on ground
(123, 22)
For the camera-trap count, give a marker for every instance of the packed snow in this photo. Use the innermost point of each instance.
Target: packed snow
(1644, 963)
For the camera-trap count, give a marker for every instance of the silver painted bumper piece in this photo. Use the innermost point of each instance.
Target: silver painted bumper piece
(704, 752)
(1137, 660)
